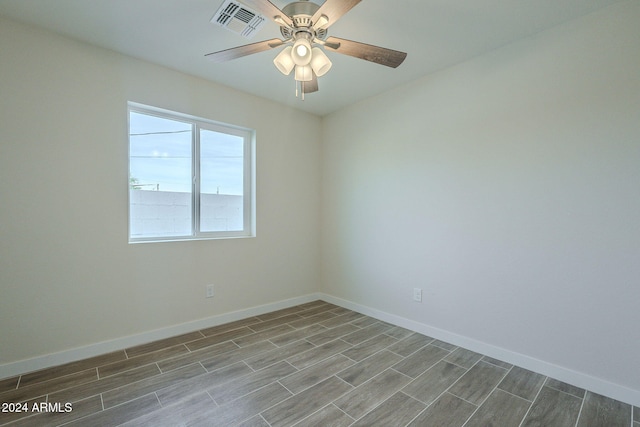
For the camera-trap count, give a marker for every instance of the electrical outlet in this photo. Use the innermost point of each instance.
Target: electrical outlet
(417, 294)
(209, 291)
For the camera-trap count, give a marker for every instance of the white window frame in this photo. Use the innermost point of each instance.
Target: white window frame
(197, 123)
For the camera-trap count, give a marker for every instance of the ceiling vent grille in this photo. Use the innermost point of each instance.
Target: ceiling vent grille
(238, 18)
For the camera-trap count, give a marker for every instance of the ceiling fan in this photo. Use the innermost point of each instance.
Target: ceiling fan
(303, 25)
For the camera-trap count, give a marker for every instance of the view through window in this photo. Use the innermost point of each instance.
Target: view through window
(189, 178)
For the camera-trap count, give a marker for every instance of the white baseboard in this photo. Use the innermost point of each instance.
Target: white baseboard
(37, 363)
(569, 376)
(578, 379)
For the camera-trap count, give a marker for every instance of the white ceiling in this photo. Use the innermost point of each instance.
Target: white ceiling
(177, 33)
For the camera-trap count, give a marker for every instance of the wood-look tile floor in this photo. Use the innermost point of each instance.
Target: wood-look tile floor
(315, 364)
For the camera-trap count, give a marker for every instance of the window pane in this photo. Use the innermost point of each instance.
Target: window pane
(221, 181)
(160, 181)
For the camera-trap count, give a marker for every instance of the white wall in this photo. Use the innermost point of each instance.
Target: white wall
(68, 278)
(508, 189)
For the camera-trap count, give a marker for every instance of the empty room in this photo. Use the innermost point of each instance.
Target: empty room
(320, 213)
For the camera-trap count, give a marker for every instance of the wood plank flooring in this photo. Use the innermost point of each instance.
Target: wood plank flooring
(315, 364)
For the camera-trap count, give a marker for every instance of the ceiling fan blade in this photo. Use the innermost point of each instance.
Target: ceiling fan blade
(240, 51)
(312, 86)
(333, 10)
(269, 10)
(379, 55)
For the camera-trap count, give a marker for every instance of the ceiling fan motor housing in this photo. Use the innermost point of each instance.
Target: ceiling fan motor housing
(301, 13)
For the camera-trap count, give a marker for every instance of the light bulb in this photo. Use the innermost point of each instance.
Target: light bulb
(301, 54)
(301, 50)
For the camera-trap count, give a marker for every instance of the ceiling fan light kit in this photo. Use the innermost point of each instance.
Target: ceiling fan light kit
(303, 24)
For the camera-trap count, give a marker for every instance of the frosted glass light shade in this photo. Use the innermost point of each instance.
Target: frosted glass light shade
(320, 63)
(304, 73)
(284, 62)
(301, 53)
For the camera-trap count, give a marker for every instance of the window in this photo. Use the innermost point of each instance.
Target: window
(189, 178)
